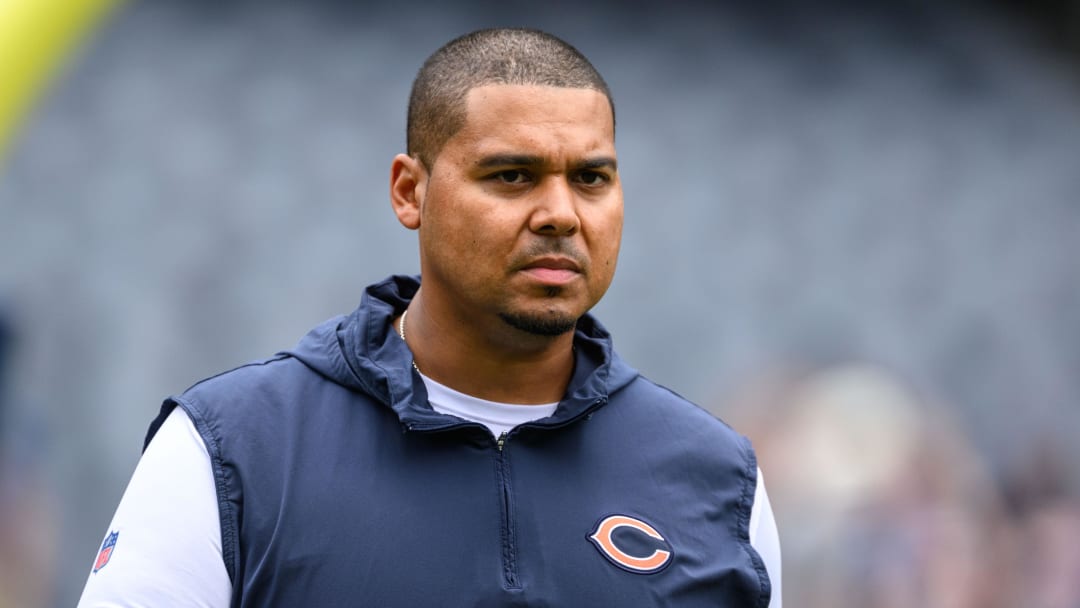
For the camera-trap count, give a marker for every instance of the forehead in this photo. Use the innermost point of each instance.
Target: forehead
(533, 95)
(537, 116)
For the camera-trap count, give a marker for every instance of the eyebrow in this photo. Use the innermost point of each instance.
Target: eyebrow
(602, 162)
(528, 160)
(502, 160)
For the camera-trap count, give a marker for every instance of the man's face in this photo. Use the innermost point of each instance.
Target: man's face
(521, 215)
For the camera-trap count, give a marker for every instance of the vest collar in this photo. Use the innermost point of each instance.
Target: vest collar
(380, 363)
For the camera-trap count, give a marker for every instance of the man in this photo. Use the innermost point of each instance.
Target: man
(471, 439)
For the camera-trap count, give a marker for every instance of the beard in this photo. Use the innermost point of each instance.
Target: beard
(539, 325)
(548, 324)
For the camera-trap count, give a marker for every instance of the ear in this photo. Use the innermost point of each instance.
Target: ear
(408, 184)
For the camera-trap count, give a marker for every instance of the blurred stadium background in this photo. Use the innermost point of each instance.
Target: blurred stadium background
(853, 232)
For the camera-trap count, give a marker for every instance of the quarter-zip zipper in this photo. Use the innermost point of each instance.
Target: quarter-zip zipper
(509, 528)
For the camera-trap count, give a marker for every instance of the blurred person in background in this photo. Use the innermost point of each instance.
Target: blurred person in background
(26, 514)
(471, 439)
(886, 504)
(1045, 512)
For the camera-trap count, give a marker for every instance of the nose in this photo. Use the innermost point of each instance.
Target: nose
(556, 209)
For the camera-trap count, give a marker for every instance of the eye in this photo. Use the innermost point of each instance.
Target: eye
(592, 178)
(512, 176)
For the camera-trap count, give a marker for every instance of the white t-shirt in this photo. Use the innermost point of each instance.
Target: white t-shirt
(168, 547)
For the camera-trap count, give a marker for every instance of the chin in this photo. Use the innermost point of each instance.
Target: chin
(551, 324)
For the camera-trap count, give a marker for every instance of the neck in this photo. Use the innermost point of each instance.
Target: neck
(504, 364)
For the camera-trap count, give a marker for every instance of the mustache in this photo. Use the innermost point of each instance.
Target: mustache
(552, 247)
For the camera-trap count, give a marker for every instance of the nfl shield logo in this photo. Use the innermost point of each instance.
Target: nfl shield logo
(106, 551)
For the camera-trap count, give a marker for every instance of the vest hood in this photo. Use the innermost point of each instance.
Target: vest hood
(363, 352)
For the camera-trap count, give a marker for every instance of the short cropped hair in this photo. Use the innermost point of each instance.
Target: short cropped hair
(489, 56)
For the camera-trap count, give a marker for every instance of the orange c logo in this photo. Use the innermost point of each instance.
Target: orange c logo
(605, 543)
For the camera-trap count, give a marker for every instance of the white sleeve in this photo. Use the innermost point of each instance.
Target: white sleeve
(765, 539)
(167, 545)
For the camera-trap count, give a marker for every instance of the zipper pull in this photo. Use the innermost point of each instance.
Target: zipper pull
(501, 441)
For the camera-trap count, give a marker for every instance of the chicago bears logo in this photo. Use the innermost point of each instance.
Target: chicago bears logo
(631, 544)
(105, 554)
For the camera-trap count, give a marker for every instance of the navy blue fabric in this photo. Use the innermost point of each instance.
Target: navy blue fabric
(338, 485)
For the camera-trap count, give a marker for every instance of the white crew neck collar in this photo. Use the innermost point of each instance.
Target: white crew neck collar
(498, 417)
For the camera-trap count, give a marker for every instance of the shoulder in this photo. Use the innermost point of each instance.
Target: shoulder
(259, 398)
(675, 430)
(272, 370)
(645, 398)
(264, 384)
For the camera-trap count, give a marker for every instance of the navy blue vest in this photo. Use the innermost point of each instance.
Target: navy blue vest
(338, 485)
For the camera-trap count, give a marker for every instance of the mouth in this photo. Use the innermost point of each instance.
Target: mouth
(552, 270)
